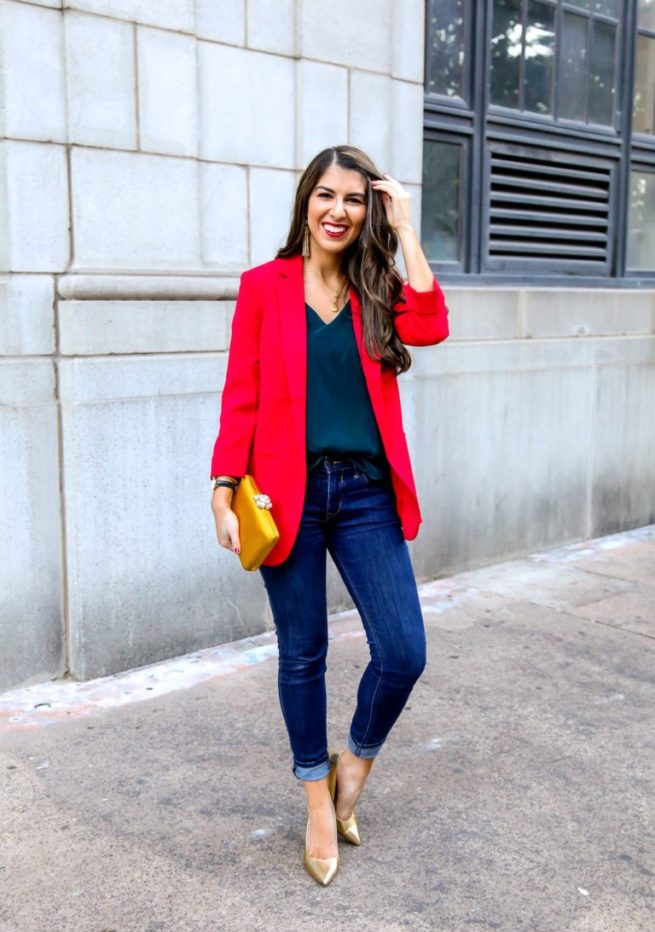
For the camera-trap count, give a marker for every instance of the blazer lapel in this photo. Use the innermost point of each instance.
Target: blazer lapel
(293, 327)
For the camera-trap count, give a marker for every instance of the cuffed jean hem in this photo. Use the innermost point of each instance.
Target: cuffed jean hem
(361, 751)
(313, 772)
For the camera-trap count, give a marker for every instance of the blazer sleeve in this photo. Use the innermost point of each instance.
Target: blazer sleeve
(240, 398)
(423, 319)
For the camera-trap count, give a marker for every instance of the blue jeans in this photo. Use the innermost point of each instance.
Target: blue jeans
(355, 519)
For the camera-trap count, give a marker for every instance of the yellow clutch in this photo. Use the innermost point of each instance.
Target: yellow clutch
(257, 528)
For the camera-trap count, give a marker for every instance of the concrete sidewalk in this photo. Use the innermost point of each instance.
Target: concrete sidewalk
(516, 792)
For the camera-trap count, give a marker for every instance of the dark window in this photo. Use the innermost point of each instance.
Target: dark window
(602, 73)
(539, 149)
(573, 71)
(441, 203)
(445, 58)
(539, 52)
(506, 54)
(526, 38)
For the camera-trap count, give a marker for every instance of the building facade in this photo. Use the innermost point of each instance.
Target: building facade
(150, 151)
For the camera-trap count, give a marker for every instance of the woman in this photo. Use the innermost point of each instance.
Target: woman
(311, 408)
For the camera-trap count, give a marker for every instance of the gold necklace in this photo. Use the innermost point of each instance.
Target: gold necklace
(334, 306)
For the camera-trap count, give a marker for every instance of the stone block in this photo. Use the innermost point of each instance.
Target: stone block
(565, 312)
(222, 20)
(168, 104)
(134, 211)
(271, 202)
(32, 80)
(34, 233)
(90, 328)
(322, 107)
(101, 81)
(170, 14)
(370, 115)
(407, 40)
(138, 435)
(502, 454)
(31, 625)
(224, 215)
(247, 106)
(102, 380)
(344, 33)
(26, 315)
(272, 26)
(488, 313)
(406, 131)
(117, 286)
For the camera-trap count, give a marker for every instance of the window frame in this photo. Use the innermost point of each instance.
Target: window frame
(448, 119)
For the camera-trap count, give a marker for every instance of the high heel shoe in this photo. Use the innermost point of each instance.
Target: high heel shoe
(347, 828)
(321, 869)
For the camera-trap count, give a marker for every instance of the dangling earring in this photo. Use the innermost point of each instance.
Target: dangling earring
(305, 240)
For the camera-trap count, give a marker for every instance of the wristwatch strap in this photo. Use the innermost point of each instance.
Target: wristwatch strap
(217, 481)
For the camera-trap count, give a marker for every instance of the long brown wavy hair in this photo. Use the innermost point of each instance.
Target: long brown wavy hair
(369, 262)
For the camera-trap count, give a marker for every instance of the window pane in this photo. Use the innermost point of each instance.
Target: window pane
(606, 7)
(601, 74)
(506, 42)
(644, 85)
(539, 54)
(581, 4)
(440, 201)
(646, 14)
(641, 225)
(446, 53)
(573, 75)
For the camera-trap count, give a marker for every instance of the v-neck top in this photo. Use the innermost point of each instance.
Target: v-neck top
(340, 417)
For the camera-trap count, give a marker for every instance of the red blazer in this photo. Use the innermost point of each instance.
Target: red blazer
(263, 406)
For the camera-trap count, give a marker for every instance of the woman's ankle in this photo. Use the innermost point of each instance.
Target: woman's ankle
(321, 809)
(360, 766)
(318, 794)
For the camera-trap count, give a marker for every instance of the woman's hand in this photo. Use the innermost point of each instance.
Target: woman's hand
(396, 200)
(227, 523)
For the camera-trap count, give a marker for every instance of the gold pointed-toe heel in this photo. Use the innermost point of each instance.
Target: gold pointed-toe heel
(347, 828)
(321, 869)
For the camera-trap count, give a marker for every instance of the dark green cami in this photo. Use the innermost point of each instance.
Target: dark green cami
(340, 418)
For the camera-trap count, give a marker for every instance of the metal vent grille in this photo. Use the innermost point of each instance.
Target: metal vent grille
(549, 209)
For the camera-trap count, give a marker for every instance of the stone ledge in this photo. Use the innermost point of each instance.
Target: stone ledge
(195, 285)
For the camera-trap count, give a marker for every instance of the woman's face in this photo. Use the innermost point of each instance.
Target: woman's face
(336, 209)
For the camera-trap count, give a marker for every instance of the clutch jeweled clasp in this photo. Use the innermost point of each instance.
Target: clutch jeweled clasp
(262, 500)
